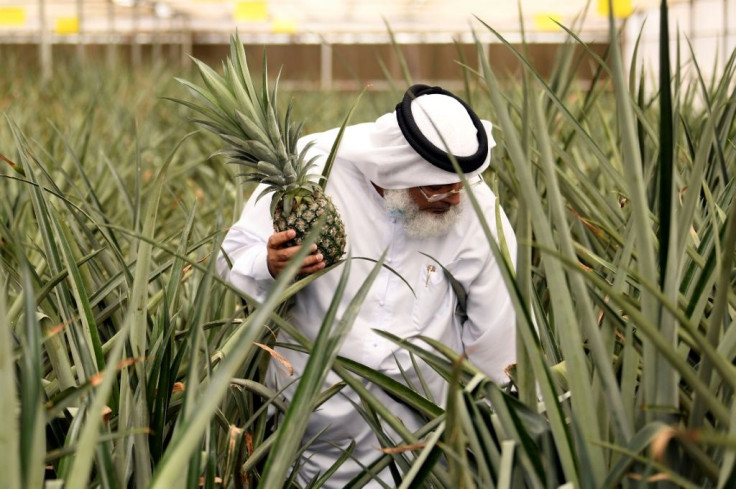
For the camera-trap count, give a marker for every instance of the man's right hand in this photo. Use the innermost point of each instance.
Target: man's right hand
(278, 255)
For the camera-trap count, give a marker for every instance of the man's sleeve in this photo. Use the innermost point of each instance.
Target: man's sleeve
(242, 259)
(489, 333)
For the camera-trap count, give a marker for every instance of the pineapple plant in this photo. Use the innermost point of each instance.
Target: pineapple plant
(265, 147)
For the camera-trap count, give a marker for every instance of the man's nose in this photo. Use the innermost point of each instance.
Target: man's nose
(452, 199)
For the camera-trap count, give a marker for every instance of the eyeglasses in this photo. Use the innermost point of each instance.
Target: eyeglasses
(435, 197)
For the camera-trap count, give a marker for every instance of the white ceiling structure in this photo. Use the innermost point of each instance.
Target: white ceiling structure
(709, 24)
(297, 20)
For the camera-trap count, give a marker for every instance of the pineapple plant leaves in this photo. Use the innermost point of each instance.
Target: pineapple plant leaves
(264, 145)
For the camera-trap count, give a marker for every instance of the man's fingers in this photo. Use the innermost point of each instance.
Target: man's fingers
(312, 264)
(286, 254)
(277, 240)
(312, 260)
(279, 255)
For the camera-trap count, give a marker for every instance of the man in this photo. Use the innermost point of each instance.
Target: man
(396, 189)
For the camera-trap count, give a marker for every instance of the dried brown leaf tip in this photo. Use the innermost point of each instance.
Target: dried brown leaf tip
(52, 331)
(665, 435)
(96, 379)
(404, 448)
(652, 478)
(234, 433)
(249, 442)
(189, 267)
(586, 222)
(279, 358)
(106, 412)
(7, 160)
(218, 480)
(660, 442)
(510, 370)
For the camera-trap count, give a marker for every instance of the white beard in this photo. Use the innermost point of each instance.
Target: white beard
(420, 224)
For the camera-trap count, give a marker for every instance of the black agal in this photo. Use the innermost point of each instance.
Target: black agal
(416, 139)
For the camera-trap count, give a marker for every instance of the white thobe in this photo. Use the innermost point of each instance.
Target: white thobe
(487, 336)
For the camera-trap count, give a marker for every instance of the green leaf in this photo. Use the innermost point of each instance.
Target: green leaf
(31, 445)
(322, 355)
(10, 431)
(338, 139)
(189, 433)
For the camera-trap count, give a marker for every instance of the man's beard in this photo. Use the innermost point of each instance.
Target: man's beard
(417, 223)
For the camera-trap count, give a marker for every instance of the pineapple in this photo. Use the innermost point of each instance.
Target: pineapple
(265, 147)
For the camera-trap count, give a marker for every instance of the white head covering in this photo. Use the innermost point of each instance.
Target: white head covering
(380, 151)
(437, 114)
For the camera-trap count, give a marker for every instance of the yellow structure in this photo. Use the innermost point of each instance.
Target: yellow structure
(547, 22)
(621, 8)
(66, 25)
(12, 16)
(251, 11)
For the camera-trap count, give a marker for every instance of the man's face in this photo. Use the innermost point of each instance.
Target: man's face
(450, 199)
(422, 218)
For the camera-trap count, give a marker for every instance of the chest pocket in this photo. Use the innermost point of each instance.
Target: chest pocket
(438, 297)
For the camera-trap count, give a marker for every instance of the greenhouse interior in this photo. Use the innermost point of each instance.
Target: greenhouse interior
(314, 40)
(303, 244)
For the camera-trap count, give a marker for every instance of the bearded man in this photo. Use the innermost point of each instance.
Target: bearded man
(395, 186)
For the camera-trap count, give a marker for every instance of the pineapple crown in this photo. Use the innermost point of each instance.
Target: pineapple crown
(247, 120)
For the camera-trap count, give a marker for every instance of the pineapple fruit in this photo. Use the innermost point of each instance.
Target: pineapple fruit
(265, 147)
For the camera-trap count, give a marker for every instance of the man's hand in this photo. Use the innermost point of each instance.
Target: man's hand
(279, 255)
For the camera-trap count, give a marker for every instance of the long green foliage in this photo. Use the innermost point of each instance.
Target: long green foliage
(127, 362)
